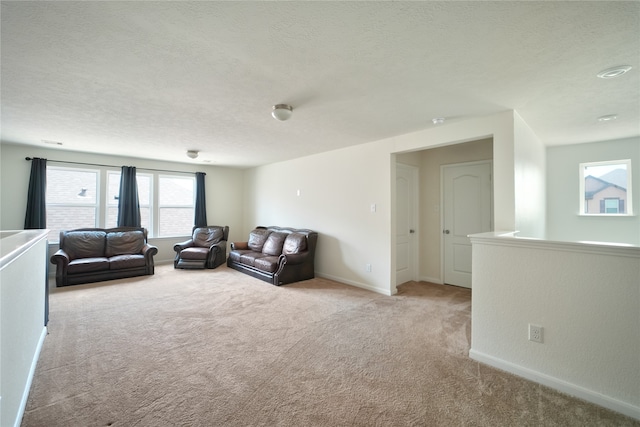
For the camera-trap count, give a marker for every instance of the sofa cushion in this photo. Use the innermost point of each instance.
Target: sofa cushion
(295, 243)
(204, 237)
(268, 264)
(257, 238)
(126, 261)
(124, 242)
(84, 244)
(194, 253)
(250, 257)
(235, 255)
(88, 265)
(273, 245)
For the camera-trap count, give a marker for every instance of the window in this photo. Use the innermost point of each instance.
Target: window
(87, 198)
(176, 207)
(145, 196)
(72, 199)
(605, 188)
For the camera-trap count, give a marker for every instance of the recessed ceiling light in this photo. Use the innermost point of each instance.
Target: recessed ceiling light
(612, 72)
(437, 120)
(607, 118)
(46, 141)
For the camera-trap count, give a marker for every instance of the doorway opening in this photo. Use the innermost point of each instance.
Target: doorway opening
(430, 226)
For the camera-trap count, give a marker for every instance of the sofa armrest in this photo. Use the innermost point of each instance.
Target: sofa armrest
(149, 251)
(60, 259)
(293, 259)
(239, 245)
(183, 245)
(221, 246)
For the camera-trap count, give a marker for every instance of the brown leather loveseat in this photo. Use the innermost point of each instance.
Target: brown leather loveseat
(96, 254)
(277, 255)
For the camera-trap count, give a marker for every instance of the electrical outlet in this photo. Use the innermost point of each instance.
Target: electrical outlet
(535, 333)
(368, 267)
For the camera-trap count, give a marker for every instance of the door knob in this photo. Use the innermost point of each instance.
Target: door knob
(446, 231)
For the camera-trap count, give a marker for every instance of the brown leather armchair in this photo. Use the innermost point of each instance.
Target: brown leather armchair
(207, 248)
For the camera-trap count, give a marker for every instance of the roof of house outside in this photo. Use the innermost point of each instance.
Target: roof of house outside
(594, 185)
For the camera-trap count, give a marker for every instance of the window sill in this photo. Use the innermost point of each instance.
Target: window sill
(629, 215)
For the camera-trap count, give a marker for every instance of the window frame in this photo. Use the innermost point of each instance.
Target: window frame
(628, 201)
(160, 206)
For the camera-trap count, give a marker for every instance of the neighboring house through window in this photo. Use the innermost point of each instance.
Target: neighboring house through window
(605, 188)
(176, 208)
(72, 199)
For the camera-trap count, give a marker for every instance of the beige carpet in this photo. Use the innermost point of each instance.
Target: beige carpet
(219, 348)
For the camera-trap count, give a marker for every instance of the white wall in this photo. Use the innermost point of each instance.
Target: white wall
(587, 299)
(498, 126)
(338, 188)
(224, 187)
(530, 174)
(563, 194)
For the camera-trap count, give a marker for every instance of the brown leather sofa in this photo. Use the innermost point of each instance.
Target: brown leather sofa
(207, 248)
(277, 255)
(96, 254)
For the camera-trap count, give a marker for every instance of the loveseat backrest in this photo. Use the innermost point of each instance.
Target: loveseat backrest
(124, 242)
(92, 242)
(83, 243)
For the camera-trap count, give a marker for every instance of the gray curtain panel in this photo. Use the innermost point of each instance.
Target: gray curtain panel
(128, 202)
(36, 215)
(201, 204)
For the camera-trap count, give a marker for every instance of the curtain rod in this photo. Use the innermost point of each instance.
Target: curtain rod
(107, 166)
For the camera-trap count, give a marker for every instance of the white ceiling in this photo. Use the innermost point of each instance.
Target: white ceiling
(155, 79)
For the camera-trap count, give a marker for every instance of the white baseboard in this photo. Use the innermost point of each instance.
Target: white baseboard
(32, 371)
(358, 284)
(558, 384)
(435, 280)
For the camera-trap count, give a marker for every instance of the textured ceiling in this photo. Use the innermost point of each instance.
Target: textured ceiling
(154, 79)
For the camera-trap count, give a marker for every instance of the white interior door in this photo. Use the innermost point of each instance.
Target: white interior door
(467, 204)
(406, 220)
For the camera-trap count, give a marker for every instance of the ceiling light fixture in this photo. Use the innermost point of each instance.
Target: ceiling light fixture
(47, 141)
(438, 120)
(612, 72)
(282, 112)
(192, 154)
(607, 118)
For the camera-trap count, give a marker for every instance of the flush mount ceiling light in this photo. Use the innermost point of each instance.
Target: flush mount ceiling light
(438, 120)
(607, 118)
(612, 72)
(47, 141)
(282, 112)
(192, 154)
